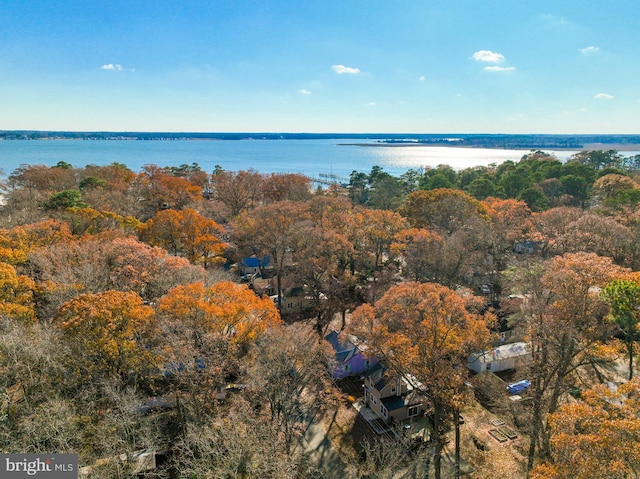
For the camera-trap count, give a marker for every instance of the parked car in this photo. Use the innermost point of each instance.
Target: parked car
(516, 388)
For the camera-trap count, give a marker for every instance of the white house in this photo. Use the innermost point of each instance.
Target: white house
(507, 356)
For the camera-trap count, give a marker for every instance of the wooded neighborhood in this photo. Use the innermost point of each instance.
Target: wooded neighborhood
(213, 320)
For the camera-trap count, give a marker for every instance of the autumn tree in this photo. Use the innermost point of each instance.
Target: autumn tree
(328, 211)
(595, 437)
(286, 186)
(444, 210)
(425, 332)
(566, 325)
(31, 372)
(377, 230)
(205, 330)
(90, 221)
(192, 172)
(320, 262)
(509, 223)
(550, 230)
(227, 308)
(104, 262)
(289, 369)
(116, 175)
(460, 220)
(602, 235)
(41, 179)
(237, 191)
(110, 188)
(372, 232)
(333, 215)
(185, 232)
(272, 230)
(110, 334)
(240, 443)
(420, 251)
(160, 189)
(623, 298)
(16, 294)
(608, 186)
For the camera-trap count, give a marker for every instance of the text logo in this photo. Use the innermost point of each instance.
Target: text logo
(45, 466)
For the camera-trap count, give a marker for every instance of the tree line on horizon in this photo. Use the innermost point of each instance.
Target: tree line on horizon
(124, 324)
(477, 140)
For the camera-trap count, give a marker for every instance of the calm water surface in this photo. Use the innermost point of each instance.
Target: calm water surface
(309, 157)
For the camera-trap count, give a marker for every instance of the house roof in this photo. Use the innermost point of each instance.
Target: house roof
(255, 262)
(398, 402)
(378, 367)
(506, 351)
(384, 380)
(393, 402)
(343, 348)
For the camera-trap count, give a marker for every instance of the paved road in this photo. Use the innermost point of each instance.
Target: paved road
(318, 444)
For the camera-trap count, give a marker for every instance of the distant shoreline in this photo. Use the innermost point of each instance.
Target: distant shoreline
(522, 142)
(588, 146)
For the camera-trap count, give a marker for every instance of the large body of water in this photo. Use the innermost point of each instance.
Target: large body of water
(314, 158)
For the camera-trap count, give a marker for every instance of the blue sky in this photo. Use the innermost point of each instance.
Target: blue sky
(458, 66)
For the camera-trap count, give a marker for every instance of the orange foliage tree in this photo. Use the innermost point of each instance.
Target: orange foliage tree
(161, 189)
(18, 242)
(185, 232)
(90, 221)
(461, 221)
(375, 230)
(566, 324)
(425, 332)
(110, 335)
(206, 330)
(225, 308)
(16, 294)
(595, 437)
(445, 210)
(286, 186)
(42, 179)
(272, 230)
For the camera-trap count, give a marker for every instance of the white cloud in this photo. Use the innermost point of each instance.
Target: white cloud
(371, 103)
(499, 69)
(555, 21)
(421, 78)
(603, 96)
(589, 50)
(304, 92)
(488, 56)
(341, 69)
(112, 67)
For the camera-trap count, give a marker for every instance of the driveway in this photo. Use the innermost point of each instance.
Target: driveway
(317, 443)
